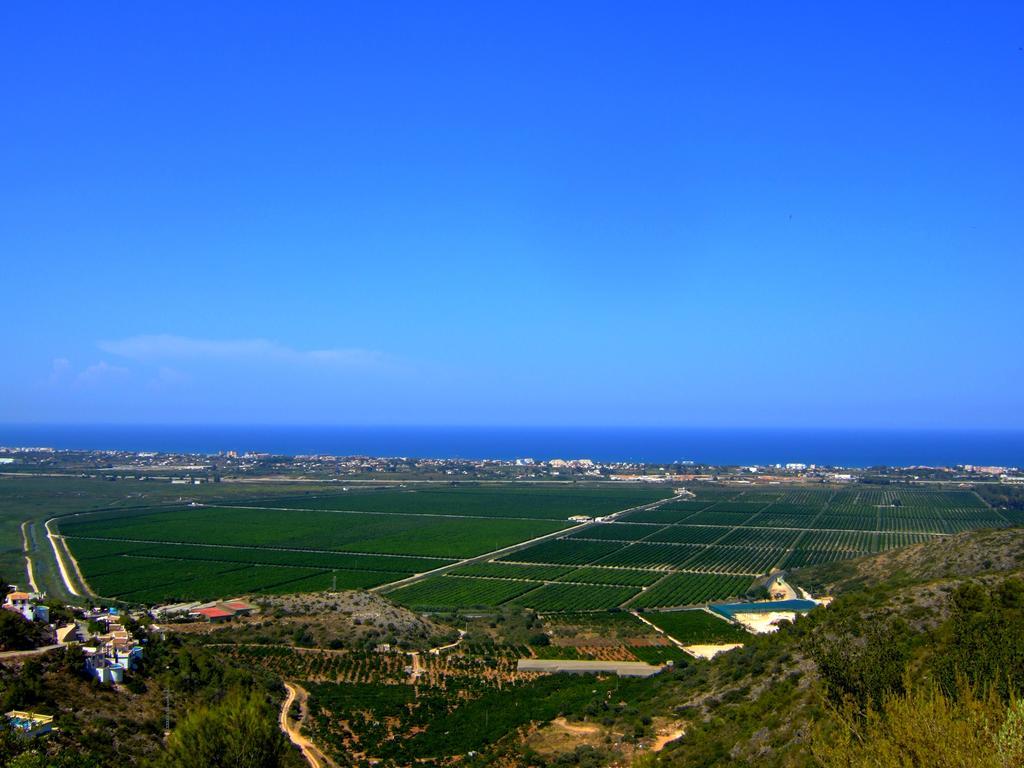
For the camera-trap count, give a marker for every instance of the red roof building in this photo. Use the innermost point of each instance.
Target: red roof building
(213, 614)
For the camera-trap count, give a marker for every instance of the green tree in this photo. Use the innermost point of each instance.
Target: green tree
(862, 664)
(239, 732)
(16, 633)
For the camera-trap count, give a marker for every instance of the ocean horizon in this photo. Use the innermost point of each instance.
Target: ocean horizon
(725, 446)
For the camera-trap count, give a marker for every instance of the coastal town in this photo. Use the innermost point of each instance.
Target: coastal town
(231, 465)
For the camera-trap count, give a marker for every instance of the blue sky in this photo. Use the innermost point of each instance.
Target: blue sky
(526, 213)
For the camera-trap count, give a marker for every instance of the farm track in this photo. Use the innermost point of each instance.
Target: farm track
(661, 631)
(54, 543)
(310, 751)
(26, 527)
(11, 655)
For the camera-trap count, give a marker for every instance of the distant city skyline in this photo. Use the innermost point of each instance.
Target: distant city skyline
(569, 215)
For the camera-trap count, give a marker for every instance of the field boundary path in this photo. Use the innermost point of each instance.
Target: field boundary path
(26, 541)
(310, 751)
(60, 560)
(661, 631)
(392, 585)
(58, 543)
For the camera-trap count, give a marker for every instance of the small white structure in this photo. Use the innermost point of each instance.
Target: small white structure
(29, 724)
(27, 604)
(104, 670)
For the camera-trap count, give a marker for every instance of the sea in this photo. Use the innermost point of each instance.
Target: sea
(824, 447)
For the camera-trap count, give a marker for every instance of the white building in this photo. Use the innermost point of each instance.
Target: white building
(27, 604)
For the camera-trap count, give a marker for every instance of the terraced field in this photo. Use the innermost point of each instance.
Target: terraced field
(351, 540)
(690, 552)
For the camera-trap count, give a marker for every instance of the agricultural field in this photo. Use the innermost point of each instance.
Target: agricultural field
(673, 553)
(345, 540)
(406, 725)
(687, 552)
(575, 597)
(445, 593)
(483, 501)
(694, 627)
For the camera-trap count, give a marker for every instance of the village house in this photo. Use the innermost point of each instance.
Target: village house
(29, 724)
(28, 605)
(115, 652)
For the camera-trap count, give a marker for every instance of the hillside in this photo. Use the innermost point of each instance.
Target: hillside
(883, 661)
(950, 557)
(928, 612)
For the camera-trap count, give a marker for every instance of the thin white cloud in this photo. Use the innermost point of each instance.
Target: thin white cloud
(100, 371)
(162, 348)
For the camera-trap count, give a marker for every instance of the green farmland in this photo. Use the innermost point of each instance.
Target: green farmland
(712, 547)
(678, 553)
(484, 501)
(361, 539)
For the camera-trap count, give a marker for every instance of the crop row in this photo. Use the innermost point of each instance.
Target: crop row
(803, 510)
(497, 501)
(847, 522)
(696, 627)
(340, 531)
(798, 558)
(906, 497)
(450, 592)
(565, 551)
(860, 541)
(691, 589)
(770, 519)
(154, 580)
(651, 555)
(740, 506)
(761, 537)
(689, 534)
(711, 517)
(811, 498)
(615, 576)
(512, 571)
(735, 559)
(335, 666)
(418, 724)
(663, 515)
(576, 597)
(88, 549)
(615, 532)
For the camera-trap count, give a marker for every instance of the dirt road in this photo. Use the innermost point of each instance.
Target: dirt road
(9, 655)
(310, 751)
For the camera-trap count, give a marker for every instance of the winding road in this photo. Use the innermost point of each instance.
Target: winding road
(310, 751)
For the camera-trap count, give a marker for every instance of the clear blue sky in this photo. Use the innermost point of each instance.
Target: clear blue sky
(735, 214)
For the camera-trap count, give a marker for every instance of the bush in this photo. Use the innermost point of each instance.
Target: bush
(240, 732)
